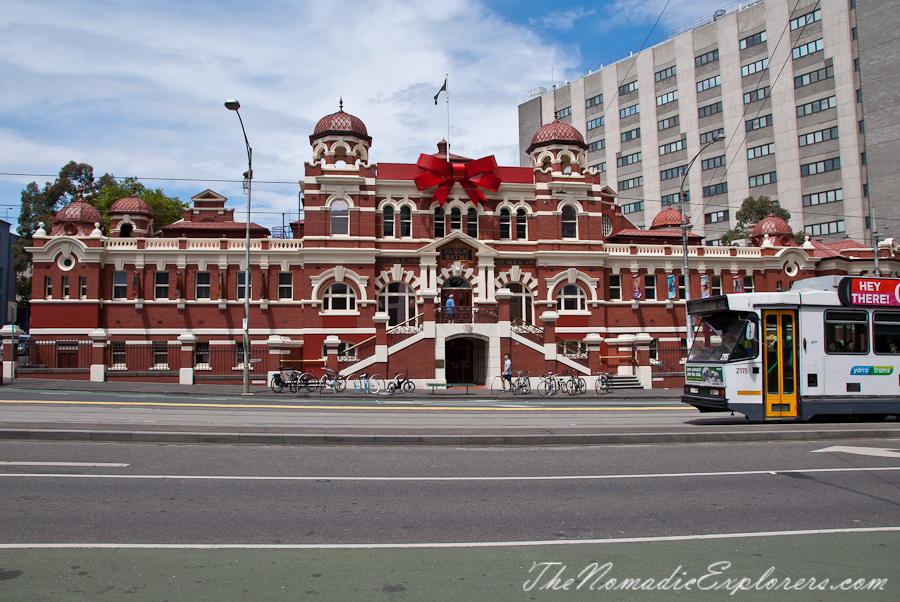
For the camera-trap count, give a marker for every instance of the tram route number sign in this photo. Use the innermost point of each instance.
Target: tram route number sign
(878, 292)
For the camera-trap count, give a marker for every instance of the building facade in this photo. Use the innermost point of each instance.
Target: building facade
(540, 262)
(780, 79)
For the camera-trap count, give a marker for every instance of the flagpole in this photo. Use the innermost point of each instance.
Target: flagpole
(447, 95)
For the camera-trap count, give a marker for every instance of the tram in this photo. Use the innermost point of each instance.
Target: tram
(828, 346)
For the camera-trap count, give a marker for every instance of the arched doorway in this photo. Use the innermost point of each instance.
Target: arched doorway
(466, 360)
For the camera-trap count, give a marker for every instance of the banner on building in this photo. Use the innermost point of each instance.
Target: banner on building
(704, 286)
(673, 290)
(739, 284)
(636, 283)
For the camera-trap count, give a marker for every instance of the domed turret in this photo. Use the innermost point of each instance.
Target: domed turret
(131, 216)
(777, 229)
(340, 137)
(558, 146)
(75, 219)
(667, 219)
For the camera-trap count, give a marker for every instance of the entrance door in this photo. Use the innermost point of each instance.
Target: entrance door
(780, 358)
(460, 359)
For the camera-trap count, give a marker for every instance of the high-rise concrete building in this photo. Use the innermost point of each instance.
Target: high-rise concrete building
(780, 79)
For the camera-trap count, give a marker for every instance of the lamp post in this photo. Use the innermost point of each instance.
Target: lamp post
(684, 240)
(233, 105)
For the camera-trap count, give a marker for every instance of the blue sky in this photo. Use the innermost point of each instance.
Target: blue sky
(137, 88)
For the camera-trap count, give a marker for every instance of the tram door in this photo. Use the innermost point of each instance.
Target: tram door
(780, 357)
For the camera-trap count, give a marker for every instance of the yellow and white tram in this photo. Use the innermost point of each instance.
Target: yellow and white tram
(830, 345)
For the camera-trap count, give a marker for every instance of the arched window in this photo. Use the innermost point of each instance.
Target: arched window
(472, 223)
(546, 163)
(387, 221)
(566, 164)
(398, 299)
(339, 297)
(504, 223)
(520, 304)
(405, 221)
(340, 217)
(571, 297)
(340, 155)
(521, 225)
(455, 219)
(438, 223)
(569, 222)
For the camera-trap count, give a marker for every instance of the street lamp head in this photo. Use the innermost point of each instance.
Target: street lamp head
(232, 105)
(716, 138)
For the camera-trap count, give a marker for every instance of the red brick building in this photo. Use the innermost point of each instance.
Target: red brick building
(540, 263)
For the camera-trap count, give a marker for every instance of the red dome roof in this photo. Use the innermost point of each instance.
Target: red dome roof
(771, 225)
(78, 211)
(557, 132)
(666, 219)
(131, 205)
(340, 122)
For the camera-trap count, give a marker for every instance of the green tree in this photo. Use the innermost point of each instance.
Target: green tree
(167, 209)
(752, 210)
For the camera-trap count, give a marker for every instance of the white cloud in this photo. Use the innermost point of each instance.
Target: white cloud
(138, 88)
(565, 20)
(678, 13)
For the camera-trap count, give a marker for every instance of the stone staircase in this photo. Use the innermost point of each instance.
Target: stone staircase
(625, 382)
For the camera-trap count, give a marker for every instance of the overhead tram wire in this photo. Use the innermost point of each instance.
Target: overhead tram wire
(702, 206)
(56, 175)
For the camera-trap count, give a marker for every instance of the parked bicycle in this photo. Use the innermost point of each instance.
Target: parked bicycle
(576, 385)
(551, 384)
(281, 379)
(401, 382)
(330, 380)
(367, 384)
(603, 384)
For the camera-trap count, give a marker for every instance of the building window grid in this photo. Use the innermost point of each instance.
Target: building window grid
(712, 82)
(761, 151)
(632, 207)
(810, 48)
(285, 285)
(674, 172)
(455, 219)
(664, 99)
(504, 223)
(120, 285)
(759, 123)
(65, 287)
(595, 123)
(835, 227)
(202, 285)
(859, 95)
(650, 287)
(668, 122)
(564, 112)
(856, 64)
(672, 199)
(626, 88)
(628, 160)
(708, 110)
(387, 221)
(521, 225)
(161, 285)
(762, 179)
(597, 167)
(665, 73)
(713, 163)
(405, 221)
(753, 40)
(439, 223)
(708, 136)
(615, 287)
(854, 33)
(820, 198)
(631, 183)
(820, 136)
(707, 57)
(597, 145)
(806, 19)
(569, 222)
(241, 281)
(715, 189)
(631, 134)
(629, 111)
(813, 77)
(716, 216)
(811, 169)
(760, 94)
(593, 101)
(754, 67)
(82, 287)
(472, 222)
(672, 147)
(816, 106)
(339, 297)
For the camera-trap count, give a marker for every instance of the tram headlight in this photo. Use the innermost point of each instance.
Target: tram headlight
(692, 390)
(717, 392)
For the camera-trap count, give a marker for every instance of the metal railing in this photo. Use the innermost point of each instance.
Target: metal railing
(531, 332)
(668, 358)
(575, 350)
(357, 352)
(466, 315)
(55, 354)
(229, 360)
(404, 330)
(142, 357)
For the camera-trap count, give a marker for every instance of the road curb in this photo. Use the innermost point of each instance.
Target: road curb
(450, 439)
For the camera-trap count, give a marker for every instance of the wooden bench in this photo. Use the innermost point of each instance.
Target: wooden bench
(434, 386)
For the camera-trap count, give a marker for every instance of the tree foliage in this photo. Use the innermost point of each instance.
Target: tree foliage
(752, 210)
(166, 209)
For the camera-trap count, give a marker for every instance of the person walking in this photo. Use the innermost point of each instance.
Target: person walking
(449, 306)
(507, 371)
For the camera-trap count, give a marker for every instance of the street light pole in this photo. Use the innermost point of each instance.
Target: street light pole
(684, 241)
(233, 105)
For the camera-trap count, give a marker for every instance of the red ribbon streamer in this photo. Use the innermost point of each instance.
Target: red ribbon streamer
(471, 176)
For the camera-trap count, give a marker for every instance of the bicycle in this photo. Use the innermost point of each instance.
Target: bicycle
(281, 378)
(603, 384)
(522, 386)
(367, 384)
(576, 385)
(330, 380)
(401, 381)
(551, 383)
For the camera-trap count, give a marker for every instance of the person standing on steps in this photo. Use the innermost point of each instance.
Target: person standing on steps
(449, 306)
(507, 372)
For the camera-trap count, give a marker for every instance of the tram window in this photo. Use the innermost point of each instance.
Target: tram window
(886, 332)
(722, 337)
(846, 332)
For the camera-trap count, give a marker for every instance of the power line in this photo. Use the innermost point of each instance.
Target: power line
(39, 175)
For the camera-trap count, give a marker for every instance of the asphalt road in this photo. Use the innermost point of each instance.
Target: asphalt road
(427, 523)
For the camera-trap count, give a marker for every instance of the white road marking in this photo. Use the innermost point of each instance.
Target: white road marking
(880, 452)
(90, 464)
(497, 478)
(471, 544)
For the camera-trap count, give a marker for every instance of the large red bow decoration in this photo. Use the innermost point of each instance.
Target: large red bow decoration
(471, 176)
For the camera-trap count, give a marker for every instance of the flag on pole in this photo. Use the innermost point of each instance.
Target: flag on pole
(443, 89)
